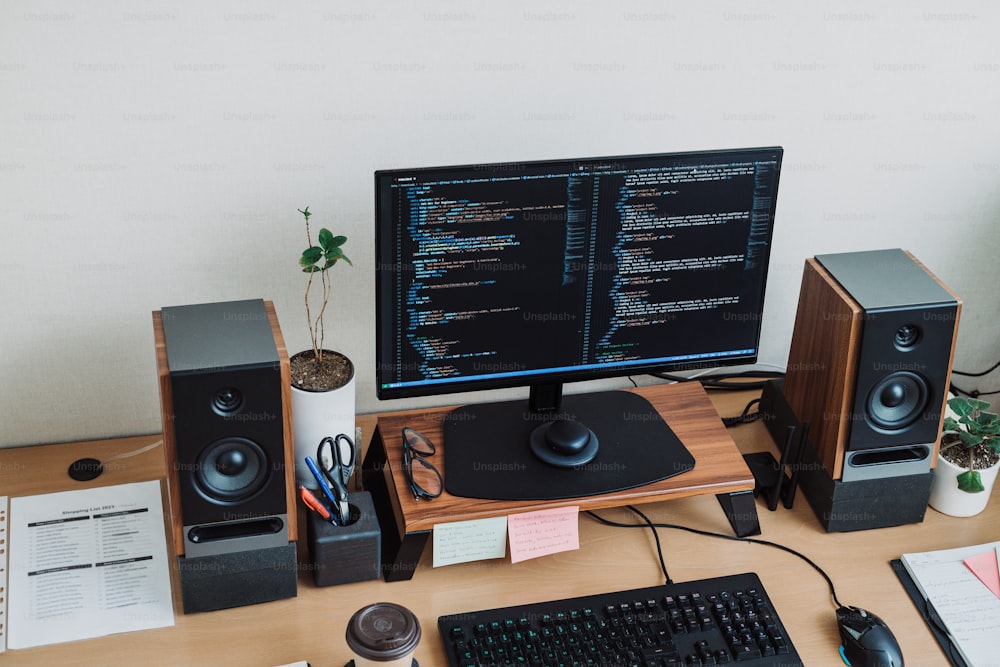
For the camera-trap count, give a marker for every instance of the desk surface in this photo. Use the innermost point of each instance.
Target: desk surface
(311, 626)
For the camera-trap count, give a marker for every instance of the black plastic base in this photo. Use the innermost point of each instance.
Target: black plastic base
(863, 504)
(488, 455)
(238, 579)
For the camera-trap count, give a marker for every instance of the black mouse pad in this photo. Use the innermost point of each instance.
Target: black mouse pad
(487, 453)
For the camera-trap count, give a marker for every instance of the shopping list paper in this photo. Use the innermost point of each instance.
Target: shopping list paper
(465, 541)
(984, 566)
(87, 563)
(544, 532)
(3, 573)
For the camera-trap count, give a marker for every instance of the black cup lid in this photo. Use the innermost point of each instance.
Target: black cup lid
(383, 631)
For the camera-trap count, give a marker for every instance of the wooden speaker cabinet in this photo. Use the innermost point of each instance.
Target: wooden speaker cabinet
(868, 371)
(225, 392)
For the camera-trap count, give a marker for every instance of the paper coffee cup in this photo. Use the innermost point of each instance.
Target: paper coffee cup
(383, 635)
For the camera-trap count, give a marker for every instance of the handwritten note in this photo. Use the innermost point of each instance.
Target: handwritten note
(534, 534)
(970, 612)
(465, 541)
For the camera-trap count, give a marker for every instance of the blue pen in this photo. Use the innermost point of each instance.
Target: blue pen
(321, 479)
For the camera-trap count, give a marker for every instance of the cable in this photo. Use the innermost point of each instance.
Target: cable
(656, 536)
(974, 393)
(721, 380)
(977, 375)
(746, 417)
(653, 526)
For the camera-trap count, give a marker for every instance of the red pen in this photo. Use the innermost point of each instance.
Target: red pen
(313, 503)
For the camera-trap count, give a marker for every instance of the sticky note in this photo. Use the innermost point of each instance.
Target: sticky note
(465, 541)
(984, 566)
(544, 532)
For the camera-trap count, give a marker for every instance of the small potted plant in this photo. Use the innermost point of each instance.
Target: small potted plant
(322, 380)
(968, 459)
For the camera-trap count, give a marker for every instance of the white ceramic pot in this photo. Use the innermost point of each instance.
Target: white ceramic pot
(948, 499)
(317, 415)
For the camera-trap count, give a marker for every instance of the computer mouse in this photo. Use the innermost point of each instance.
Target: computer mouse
(866, 640)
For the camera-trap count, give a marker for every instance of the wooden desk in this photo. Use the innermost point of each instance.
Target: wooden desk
(311, 626)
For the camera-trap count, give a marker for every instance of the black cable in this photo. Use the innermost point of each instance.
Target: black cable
(974, 393)
(746, 416)
(721, 380)
(653, 526)
(977, 375)
(656, 536)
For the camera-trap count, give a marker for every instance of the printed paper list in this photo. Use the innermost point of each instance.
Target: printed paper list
(94, 560)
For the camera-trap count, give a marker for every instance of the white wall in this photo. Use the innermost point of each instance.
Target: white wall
(154, 153)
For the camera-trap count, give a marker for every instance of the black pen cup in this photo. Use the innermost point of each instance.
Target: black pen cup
(345, 554)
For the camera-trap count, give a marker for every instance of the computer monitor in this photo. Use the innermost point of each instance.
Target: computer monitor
(535, 274)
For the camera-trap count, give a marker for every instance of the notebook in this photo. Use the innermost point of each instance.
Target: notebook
(957, 601)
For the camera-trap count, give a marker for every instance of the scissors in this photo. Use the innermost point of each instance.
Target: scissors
(335, 458)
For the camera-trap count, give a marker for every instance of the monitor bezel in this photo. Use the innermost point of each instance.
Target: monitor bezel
(385, 230)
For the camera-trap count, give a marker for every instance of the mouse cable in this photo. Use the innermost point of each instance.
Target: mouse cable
(653, 526)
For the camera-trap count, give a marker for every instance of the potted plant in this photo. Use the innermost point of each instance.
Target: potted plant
(968, 459)
(322, 379)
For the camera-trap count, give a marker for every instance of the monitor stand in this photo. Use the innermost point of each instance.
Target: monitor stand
(488, 450)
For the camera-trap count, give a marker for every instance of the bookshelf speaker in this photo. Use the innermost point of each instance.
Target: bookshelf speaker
(868, 371)
(225, 397)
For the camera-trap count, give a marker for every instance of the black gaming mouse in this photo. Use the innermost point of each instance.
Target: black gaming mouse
(866, 640)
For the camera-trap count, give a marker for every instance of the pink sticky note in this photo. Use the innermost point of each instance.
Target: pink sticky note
(544, 532)
(984, 566)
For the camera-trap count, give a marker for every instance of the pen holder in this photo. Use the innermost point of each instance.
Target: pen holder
(345, 554)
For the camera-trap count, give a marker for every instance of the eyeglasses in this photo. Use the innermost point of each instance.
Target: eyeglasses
(423, 477)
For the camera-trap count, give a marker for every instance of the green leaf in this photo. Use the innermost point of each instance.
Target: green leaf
(310, 256)
(305, 212)
(325, 236)
(344, 257)
(338, 241)
(334, 254)
(311, 269)
(970, 482)
(970, 440)
(951, 425)
(989, 422)
(963, 407)
(994, 445)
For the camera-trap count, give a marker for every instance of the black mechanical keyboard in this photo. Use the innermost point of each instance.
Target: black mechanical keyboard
(719, 621)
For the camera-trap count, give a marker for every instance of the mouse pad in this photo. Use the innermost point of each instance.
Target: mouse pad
(487, 452)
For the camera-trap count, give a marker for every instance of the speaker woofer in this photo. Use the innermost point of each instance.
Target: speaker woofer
(897, 400)
(231, 470)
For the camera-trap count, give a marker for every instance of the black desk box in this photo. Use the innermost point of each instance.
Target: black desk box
(345, 554)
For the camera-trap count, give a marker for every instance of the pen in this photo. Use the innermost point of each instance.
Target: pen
(313, 503)
(321, 480)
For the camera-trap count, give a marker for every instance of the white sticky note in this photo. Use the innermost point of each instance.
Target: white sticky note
(544, 532)
(465, 541)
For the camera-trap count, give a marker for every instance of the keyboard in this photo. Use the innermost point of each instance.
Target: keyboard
(718, 621)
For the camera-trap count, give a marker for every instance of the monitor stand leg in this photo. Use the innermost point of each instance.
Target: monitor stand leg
(741, 510)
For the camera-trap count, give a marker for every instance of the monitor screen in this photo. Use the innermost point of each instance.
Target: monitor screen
(539, 273)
